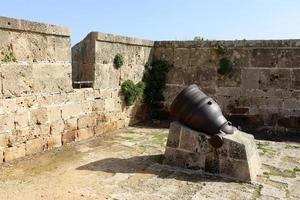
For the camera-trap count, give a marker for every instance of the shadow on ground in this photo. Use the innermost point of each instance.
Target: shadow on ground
(150, 164)
(258, 134)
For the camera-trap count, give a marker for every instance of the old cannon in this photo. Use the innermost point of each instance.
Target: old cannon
(200, 112)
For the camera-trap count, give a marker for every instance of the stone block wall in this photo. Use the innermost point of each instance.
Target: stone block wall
(35, 73)
(93, 60)
(262, 92)
(39, 109)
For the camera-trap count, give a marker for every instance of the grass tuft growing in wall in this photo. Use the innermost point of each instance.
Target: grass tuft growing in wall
(8, 55)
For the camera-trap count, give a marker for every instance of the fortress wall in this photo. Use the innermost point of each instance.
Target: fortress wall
(262, 92)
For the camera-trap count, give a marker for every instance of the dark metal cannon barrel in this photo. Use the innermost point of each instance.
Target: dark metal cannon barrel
(200, 112)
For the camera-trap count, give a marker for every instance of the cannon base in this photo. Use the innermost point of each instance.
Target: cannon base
(237, 159)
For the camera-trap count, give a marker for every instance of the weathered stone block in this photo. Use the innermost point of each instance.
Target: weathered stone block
(102, 76)
(110, 104)
(275, 78)
(240, 56)
(105, 127)
(174, 135)
(87, 106)
(203, 58)
(203, 76)
(41, 130)
(264, 57)
(62, 49)
(52, 78)
(57, 127)
(184, 159)
(84, 133)
(164, 54)
(71, 109)
(68, 136)
(250, 78)
(237, 159)
(19, 136)
(16, 79)
(6, 122)
(24, 103)
(296, 79)
(288, 58)
(98, 105)
(182, 57)
(39, 116)
(54, 141)
(54, 113)
(71, 124)
(88, 120)
(212, 164)
(12, 153)
(176, 76)
(22, 119)
(1, 155)
(76, 96)
(189, 141)
(3, 139)
(35, 146)
(8, 105)
(232, 79)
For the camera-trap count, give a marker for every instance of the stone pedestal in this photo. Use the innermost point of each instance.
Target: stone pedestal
(237, 159)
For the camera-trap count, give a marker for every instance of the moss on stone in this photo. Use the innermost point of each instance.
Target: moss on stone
(273, 171)
(277, 184)
(287, 194)
(257, 192)
(266, 148)
(288, 146)
(296, 169)
(160, 138)
(289, 159)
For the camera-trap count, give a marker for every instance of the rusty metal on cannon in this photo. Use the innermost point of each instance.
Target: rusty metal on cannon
(200, 112)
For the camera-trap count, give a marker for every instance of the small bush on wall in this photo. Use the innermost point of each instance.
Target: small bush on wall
(132, 91)
(225, 66)
(118, 61)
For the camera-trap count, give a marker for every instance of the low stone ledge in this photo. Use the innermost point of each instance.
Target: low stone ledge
(237, 159)
(107, 37)
(24, 25)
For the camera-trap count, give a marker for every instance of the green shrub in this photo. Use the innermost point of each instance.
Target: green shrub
(225, 66)
(118, 61)
(132, 91)
(155, 80)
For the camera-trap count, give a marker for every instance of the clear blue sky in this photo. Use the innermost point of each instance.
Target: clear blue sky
(165, 20)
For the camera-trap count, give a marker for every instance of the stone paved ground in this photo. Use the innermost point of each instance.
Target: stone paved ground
(126, 165)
